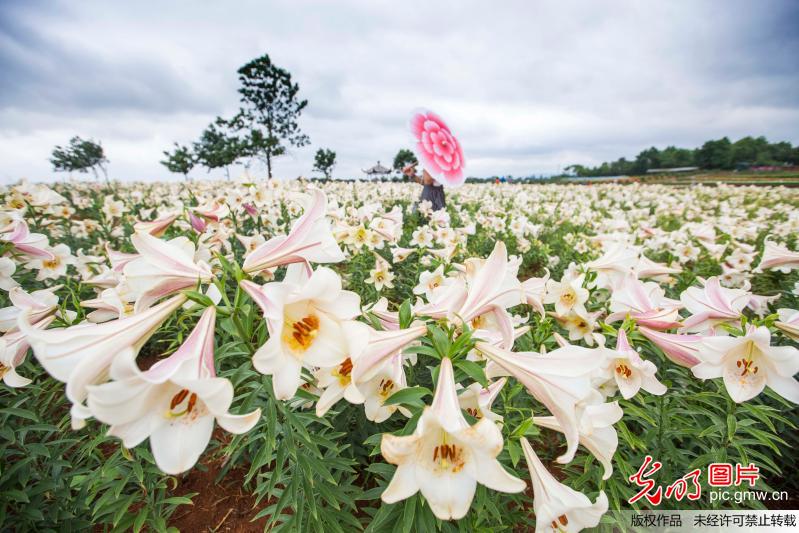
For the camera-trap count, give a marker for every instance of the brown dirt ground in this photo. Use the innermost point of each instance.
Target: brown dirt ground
(219, 507)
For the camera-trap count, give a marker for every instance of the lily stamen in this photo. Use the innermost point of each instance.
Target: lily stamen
(624, 370)
(178, 399)
(747, 364)
(343, 372)
(473, 411)
(560, 524)
(386, 388)
(303, 332)
(448, 456)
(568, 298)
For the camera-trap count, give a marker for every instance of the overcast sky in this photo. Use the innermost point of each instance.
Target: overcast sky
(528, 87)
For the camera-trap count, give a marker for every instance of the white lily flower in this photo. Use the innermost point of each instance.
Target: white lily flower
(163, 268)
(13, 348)
(560, 380)
(648, 269)
(371, 373)
(430, 281)
(401, 254)
(559, 508)
(749, 363)
(381, 276)
(306, 327)
(34, 245)
(646, 303)
(579, 326)
(388, 319)
(41, 304)
(777, 257)
(7, 269)
(491, 284)
(175, 403)
(336, 382)
(115, 302)
(389, 379)
(389, 225)
(481, 296)
(616, 263)
(477, 400)
(55, 266)
(445, 458)
(788, 322)
(113, 208)
(81, 355)
(679, 348)
(117, 259)
(567, 295)
(534, 290)
(381, 347)
(630, 372)
(156, 227)
(310, 240)
(712, 305)
(596, 432)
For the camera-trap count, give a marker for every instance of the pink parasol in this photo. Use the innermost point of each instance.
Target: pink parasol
(437, 148)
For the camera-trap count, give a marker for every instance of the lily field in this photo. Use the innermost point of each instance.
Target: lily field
(295, 356)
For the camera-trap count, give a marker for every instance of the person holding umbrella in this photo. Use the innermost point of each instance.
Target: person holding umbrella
(440, 154)
(432, 191)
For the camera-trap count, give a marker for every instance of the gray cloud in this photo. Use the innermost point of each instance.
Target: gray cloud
(528, 87)
(48, 73)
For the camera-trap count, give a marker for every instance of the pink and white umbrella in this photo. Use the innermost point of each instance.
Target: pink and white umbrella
(437, 148)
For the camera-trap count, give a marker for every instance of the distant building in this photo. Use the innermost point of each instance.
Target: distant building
(377, 171)
(773, 168)
(671, 170)
(594, 179)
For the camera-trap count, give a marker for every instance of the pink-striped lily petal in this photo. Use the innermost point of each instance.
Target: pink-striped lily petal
(382, 346)
(679, 348)
(310, 239)
(198, 346)
(156, 227)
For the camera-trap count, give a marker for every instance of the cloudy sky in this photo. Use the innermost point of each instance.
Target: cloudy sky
(528, 87)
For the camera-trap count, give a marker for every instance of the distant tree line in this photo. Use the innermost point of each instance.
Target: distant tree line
(721, 154)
